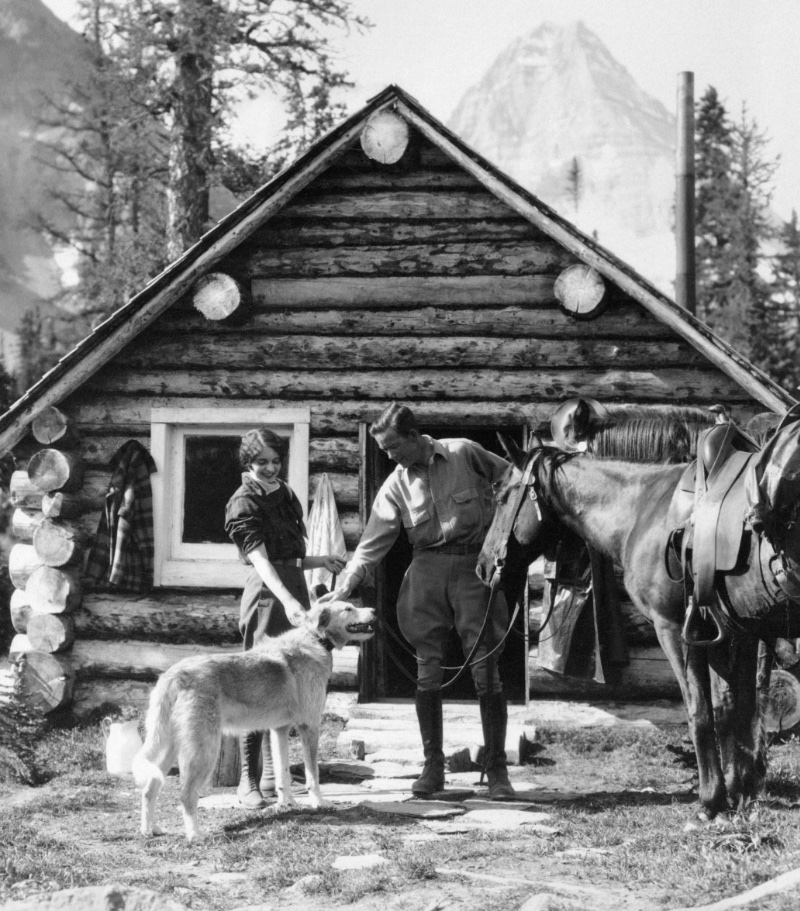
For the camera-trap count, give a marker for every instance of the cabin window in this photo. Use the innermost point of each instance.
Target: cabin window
(197, 455)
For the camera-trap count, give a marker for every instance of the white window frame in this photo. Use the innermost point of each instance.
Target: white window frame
(210, 565)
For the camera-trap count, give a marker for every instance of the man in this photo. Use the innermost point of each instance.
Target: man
(441, 492)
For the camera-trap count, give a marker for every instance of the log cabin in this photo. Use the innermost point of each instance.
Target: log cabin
(388, 262)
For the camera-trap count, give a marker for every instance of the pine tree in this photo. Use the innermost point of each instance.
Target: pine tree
(783, 355)
(575, 184)
(713, 192)
(733, 192)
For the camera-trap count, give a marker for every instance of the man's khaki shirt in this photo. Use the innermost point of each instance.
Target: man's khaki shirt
(449, 501)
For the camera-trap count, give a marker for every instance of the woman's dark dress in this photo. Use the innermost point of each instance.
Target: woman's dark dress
(275, 519)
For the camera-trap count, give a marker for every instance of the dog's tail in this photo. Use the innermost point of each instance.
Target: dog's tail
(156, 747)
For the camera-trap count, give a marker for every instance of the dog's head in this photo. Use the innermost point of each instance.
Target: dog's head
(342, 622)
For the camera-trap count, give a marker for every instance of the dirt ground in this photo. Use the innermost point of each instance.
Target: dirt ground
(605, 821)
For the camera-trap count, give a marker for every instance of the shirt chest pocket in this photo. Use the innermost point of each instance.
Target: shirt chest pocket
(467, 504)
(414, 517)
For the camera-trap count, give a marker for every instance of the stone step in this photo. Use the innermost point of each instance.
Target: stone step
(356, 740)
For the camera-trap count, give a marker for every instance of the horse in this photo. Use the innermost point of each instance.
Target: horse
(621, 509)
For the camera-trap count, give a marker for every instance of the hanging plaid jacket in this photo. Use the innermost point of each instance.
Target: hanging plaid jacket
(122, 553)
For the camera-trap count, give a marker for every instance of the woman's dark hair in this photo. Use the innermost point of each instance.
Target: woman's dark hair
(399, 418)
(255, 440)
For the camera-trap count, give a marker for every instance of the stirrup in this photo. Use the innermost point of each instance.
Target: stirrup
(692, 611)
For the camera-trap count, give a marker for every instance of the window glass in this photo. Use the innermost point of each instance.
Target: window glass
(211, 475)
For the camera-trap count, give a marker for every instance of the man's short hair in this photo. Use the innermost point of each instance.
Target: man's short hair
(399, 418)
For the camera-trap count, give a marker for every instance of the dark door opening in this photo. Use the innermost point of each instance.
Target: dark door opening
(396, 667)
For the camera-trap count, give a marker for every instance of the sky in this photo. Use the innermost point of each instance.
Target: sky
(437, 49)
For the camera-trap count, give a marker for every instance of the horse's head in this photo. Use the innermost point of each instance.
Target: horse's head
(522, 529)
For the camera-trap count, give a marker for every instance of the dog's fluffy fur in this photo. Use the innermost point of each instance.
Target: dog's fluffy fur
(279, 684)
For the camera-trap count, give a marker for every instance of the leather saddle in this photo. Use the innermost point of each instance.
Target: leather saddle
(708, 514)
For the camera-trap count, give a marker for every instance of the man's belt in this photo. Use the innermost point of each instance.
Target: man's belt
(462, 549)
(296, 561)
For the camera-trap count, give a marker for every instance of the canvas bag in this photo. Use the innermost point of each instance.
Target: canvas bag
(772, 483)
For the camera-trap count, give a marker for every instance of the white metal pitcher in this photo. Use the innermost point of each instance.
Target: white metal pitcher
(122, 744)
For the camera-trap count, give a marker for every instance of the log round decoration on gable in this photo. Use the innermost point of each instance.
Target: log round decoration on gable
(581, 291)
(217, 295)
(385, 137)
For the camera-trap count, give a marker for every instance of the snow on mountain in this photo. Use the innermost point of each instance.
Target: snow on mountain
(556, 96)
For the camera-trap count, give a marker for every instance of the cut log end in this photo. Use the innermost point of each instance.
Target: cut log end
(385, 137)
(581, 291)
(52, 427)
(52, 469)
(218, 296)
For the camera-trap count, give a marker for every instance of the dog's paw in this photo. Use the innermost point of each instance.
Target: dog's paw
(151, 831)
(319, 803)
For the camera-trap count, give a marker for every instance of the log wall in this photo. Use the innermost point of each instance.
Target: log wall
(376, 283)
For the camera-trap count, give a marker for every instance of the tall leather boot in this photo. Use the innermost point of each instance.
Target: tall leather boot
(429, 716)
(247, 792)
(494, 719)
(267, 783)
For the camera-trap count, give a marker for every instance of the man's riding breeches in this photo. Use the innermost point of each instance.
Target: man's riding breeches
(439, 592)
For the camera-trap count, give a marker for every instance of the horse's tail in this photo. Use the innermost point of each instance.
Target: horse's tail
(157, 743)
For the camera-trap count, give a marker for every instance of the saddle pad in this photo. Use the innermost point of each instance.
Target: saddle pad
(719, 525)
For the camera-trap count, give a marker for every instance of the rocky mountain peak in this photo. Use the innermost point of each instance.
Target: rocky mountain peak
(556, 97)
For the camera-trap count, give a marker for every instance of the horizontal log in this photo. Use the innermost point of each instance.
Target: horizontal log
(93, 693)
(648, 675)
(20, 610)
(344, 486)
(51, 427)
(54, 591)
(426, 157)
(46, 680)
(52, 469)
(207, 618)
(22, 492)
(24, 523)
(50, 632)
(246, 351)
(334, 233)
(398, 204)
(59, 542)
(22, 561)
(324, 454)
(621, 322)
(61, 505)
(131, 414)
(338, 179)
(145, 661)
(479, 258)
(356, 291)
(691, 386)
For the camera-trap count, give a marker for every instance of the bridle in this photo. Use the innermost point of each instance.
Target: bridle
(527, 487)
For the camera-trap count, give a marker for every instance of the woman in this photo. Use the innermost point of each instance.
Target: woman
(264, 519)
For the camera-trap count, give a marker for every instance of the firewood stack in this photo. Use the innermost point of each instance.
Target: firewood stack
(53, 523)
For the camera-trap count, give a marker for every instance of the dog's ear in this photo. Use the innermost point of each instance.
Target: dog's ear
(324, 618)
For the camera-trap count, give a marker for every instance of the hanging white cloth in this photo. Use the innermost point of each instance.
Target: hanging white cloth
(325, 535)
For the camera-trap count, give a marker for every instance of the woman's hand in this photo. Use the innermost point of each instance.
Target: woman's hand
(295, 612)
(330, 562)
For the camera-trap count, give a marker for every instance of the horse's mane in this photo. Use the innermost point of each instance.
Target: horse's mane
(649, 433)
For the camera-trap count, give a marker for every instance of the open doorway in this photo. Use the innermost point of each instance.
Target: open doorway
(389, 665)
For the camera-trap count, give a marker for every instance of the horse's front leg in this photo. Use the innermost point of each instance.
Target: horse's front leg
(690, 666)
(737, 717)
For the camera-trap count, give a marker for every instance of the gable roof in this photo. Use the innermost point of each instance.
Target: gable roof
(100, 346)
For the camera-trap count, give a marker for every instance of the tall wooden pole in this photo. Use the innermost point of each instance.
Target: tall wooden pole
(685, 278)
